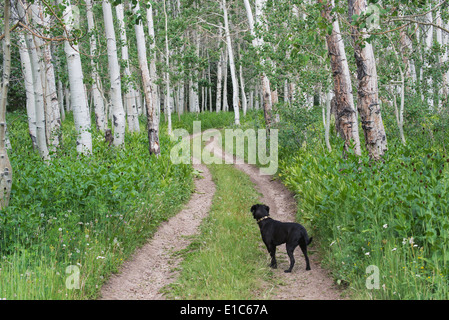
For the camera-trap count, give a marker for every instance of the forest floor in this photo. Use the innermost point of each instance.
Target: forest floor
(154, 266)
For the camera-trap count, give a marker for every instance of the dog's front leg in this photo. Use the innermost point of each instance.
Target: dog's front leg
(272, 250)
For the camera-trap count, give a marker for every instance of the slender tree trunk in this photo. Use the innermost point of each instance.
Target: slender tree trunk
(442, 59)
(195, 107)
(225, 81)
(51, 92)
(5, 165)
(235, 84)
(429, 43)
(219, 71)
(29, 88)
(242, 83)
(148, 86)
(78, 100)
(41, 139)
(181, 93)
(368, 100)
(99, 107)
(153, 73)
(346, 117)
(257, 42)
(118, 113)
(328, 120)
(167, 75)
(130, 98)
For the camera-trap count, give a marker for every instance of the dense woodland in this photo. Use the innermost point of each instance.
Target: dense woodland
(91, 92)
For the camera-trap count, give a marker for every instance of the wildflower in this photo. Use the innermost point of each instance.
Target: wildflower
(332, 243)
(404, 240)
(411, 240)
(385, 226)
(60, 229)
(394, 249)
(367, 254)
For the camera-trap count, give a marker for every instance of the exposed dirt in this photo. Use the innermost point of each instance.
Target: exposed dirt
(154, 266)
(300, 284)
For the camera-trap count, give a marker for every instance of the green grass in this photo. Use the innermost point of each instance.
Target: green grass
(90, 212)
(225, 261)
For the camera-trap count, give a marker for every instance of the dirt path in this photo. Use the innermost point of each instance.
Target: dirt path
(300, 284)
(152, 266)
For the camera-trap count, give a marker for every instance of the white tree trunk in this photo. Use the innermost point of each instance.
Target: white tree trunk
(195, 106)
(52, 113)
(442, 58)
(78, 100)
(29, 88)
(181, 93)
(167, 75)
(346, 121)
(153, 73)
(225, 81)
(99, 106)
(41, 139)
(118, 113)
(5, 165)
(130, 98)
(219, 72)
(328, 120)
(242, 83)
(429, 43)
(257, 42)
(235, 83)
(368, 92)
(148, 87)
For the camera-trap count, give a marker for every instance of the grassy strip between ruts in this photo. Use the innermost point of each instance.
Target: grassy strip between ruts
(225, 260)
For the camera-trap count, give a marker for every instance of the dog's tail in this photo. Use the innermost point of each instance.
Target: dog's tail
(310, 240)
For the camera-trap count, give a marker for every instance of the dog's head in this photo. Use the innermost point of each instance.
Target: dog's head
(260, 210)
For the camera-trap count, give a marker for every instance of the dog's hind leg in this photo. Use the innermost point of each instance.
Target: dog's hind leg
(290, 249)
(303, 246)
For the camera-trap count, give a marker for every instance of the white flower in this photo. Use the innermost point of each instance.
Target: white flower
(385, 226)
(100, 257)
(404, 240)
(367, 254)
(394, 249)
(411, 241)
(60, 229)
(332, 243)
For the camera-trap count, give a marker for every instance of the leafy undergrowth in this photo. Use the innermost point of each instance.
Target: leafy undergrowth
(73, 221)
(387, 219)
(224, 261)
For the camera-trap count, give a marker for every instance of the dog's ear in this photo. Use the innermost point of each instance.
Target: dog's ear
(253, 208)
(267, 208)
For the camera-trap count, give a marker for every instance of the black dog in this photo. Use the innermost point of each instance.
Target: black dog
(275, 233)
